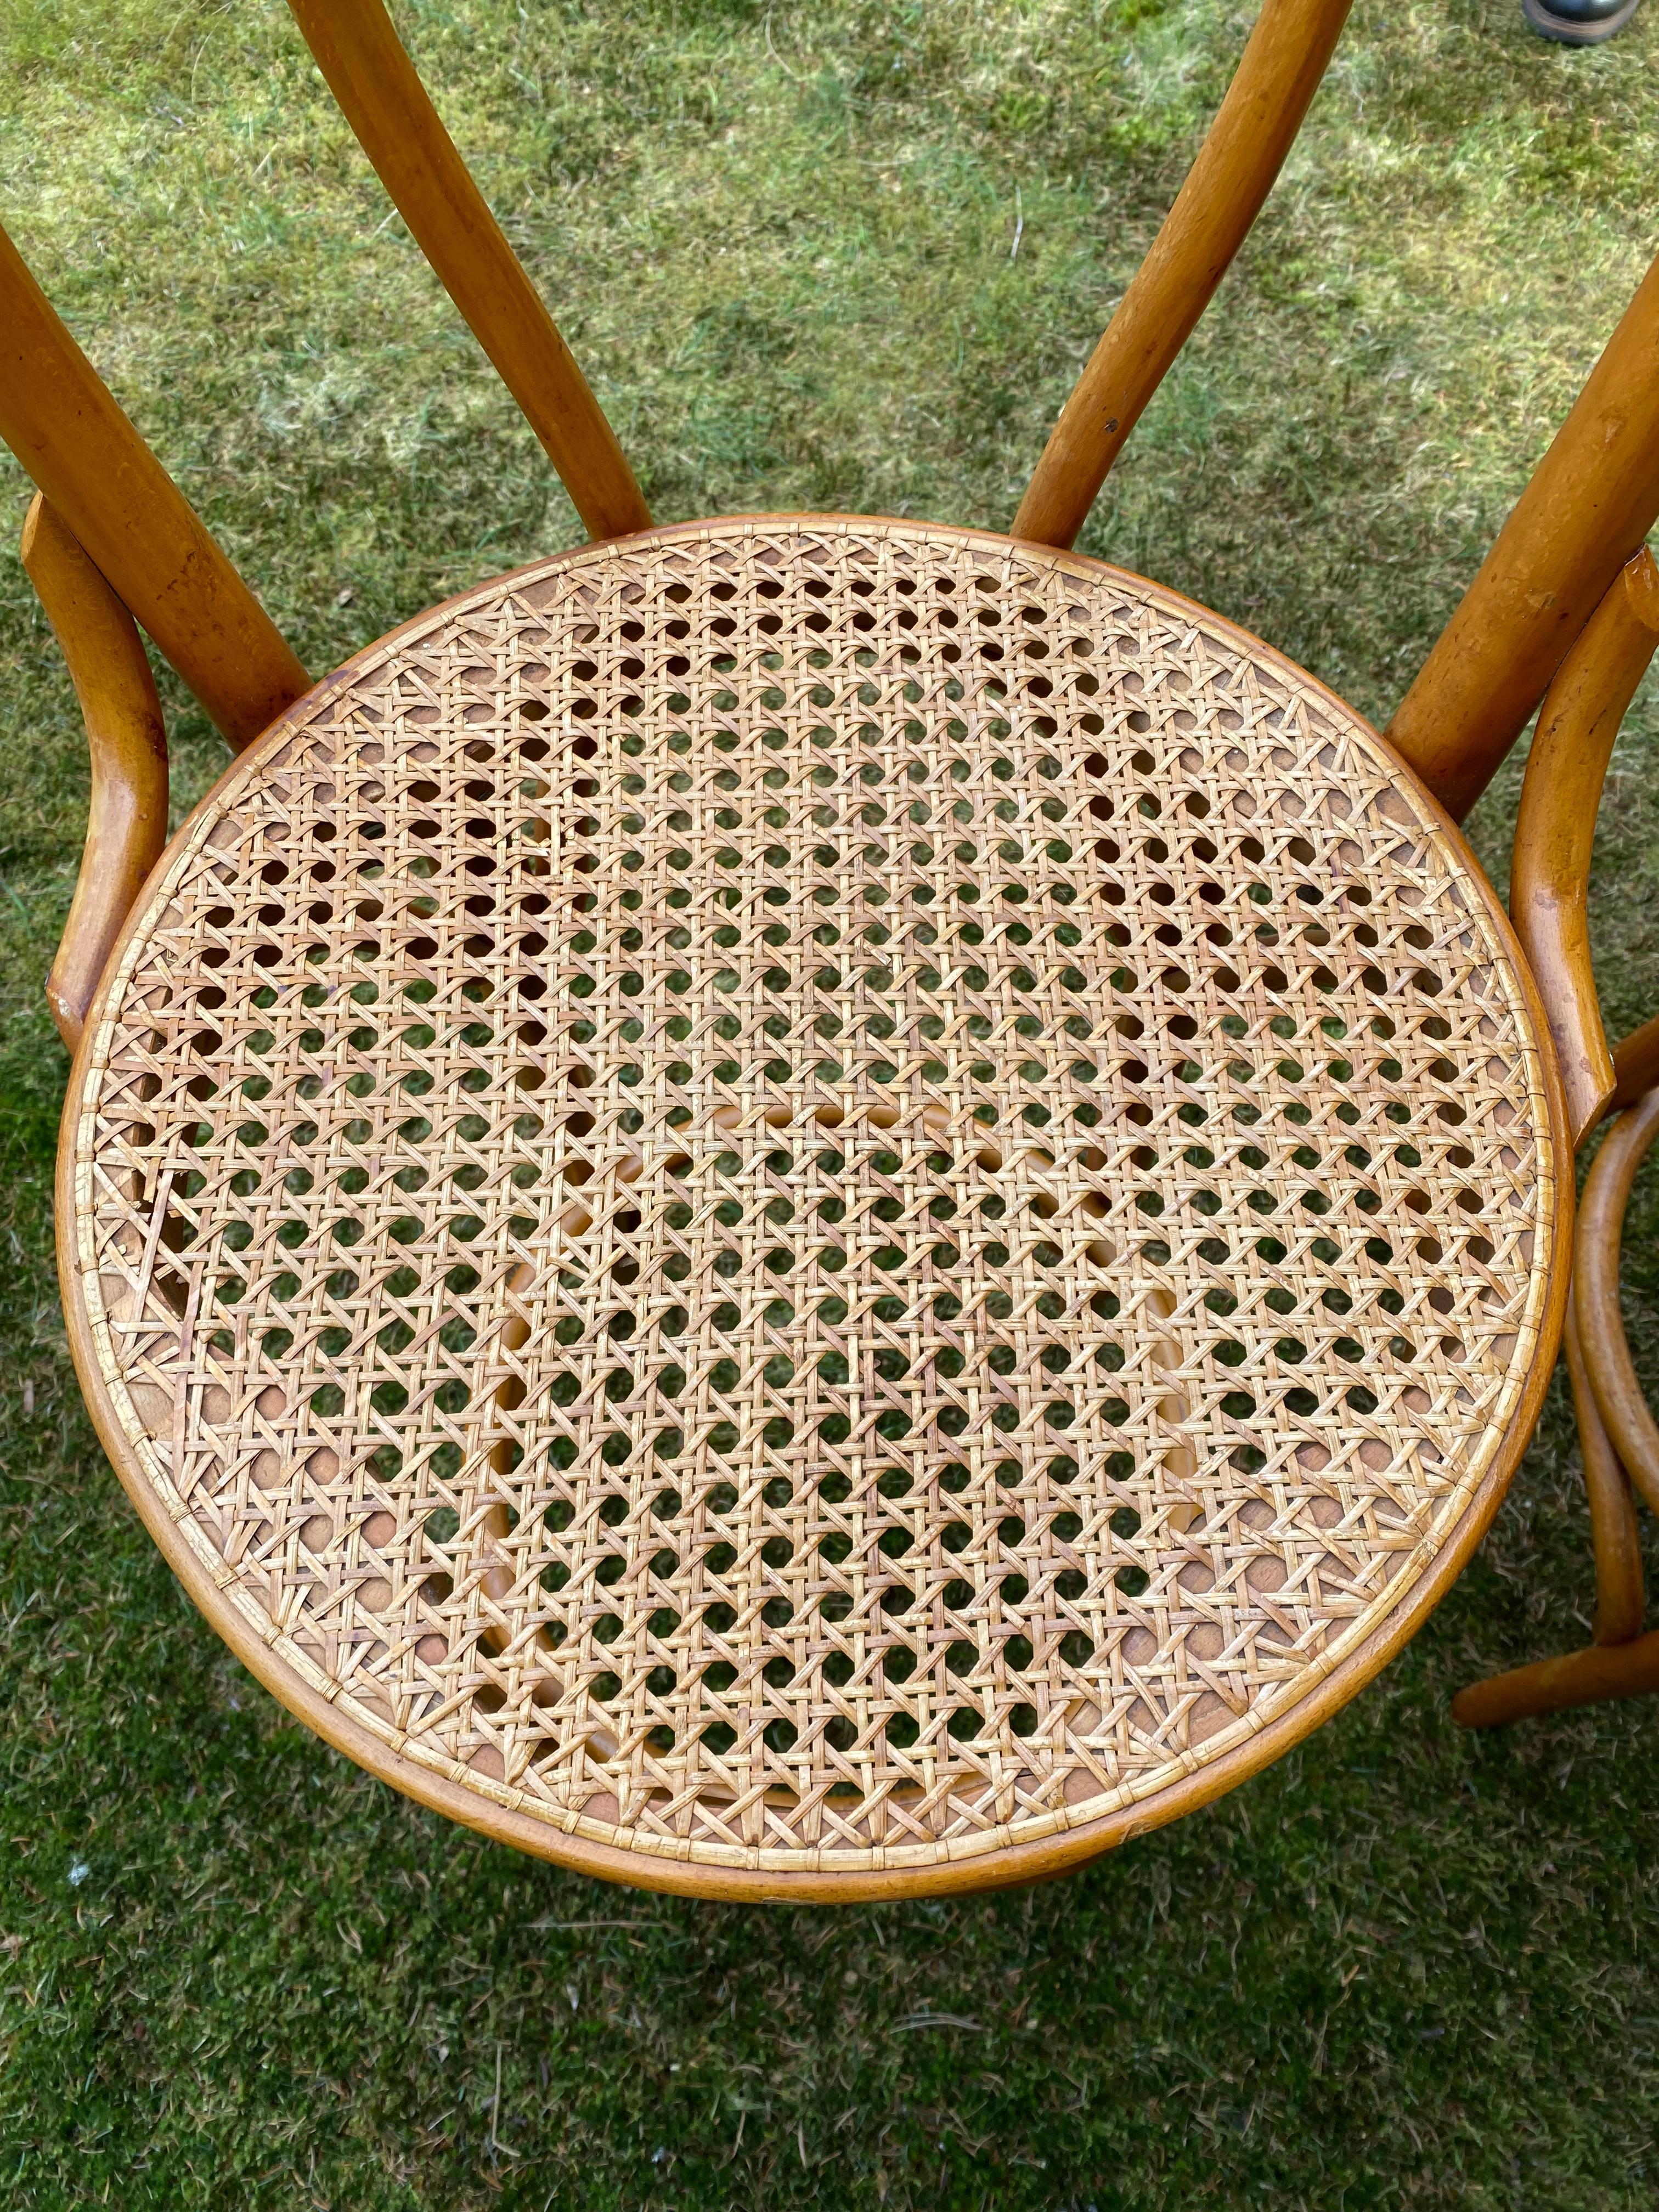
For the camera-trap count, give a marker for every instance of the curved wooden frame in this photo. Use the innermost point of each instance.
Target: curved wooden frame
(1017, 1865)
(1617, 1433)
(127, 824)
(1555, 828)
(1281, 68)
(137, 527)
(371, 75)
(1618, 1441)
(1620, 1595)
(1590, 503)
(1619, 1661)
(1619, 1399)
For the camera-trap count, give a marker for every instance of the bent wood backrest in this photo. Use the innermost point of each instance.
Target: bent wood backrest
(397, 125)
(1585, 512)
(382, 96)
(1280, 70)
(60, 420)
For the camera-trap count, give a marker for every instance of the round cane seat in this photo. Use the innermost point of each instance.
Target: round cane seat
(815, 1206)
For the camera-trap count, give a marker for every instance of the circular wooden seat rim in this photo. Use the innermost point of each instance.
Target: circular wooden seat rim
(777, 1874)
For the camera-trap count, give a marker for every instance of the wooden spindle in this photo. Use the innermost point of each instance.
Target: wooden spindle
(372, 78)
(136, 525)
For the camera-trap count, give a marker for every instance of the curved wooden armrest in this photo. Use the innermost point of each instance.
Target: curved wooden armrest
(127, 825)
(1555, 831)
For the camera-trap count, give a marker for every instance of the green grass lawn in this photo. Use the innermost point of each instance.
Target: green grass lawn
(1404, 1967)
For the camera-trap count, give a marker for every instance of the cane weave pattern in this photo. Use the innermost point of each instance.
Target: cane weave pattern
(817, 1194)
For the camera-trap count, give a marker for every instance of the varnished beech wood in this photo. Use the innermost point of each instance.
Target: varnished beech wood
(1619, 1398)
(473, 1684)
(128, 821)
(384, 101)
(1277, 74)
(137, 527)
(1555, 830)
(1614, 1534)
(1589, 1677)
(1621, 1662)
(1635, 1065)
(1591, 501)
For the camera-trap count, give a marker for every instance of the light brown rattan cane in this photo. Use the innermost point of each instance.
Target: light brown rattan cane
(811, 1206)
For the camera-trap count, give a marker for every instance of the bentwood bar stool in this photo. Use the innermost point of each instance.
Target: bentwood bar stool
(803, 1205)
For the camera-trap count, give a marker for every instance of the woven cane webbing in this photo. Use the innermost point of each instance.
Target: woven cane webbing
(813, 1194)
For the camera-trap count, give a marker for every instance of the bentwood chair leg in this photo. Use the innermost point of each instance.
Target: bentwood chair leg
(1621, 1662)
(1595, 1676)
